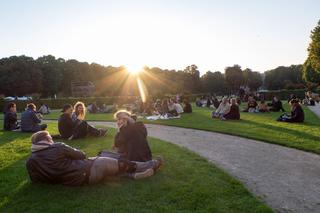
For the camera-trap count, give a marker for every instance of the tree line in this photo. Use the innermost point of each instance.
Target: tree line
(49, 76)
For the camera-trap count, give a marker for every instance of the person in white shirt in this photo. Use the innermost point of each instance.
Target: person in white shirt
(223, 108)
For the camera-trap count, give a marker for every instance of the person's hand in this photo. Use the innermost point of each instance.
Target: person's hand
(70, 138)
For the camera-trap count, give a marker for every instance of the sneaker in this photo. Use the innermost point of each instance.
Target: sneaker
(158, 163)
(103, 132)
(141, 175)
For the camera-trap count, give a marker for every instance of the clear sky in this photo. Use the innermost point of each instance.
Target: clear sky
(170, 34)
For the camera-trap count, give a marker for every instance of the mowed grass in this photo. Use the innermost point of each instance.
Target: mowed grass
(186, 183)
(259, 126)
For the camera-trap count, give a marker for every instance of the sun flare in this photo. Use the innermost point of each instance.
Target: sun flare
(134, 69)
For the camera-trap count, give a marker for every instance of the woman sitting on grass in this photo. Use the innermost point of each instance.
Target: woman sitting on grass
(297, 114)
(276, 105)
(10, 118)
(223, 109)
(187, 106)
(252, 105)
(131, 140)
(74, 129)
(234, 113)
(263, 107)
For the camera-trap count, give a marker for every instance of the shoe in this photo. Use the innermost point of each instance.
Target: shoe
(158, 163)
(103, 132)
(141, 175)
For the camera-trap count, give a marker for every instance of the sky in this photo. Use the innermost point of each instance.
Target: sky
(170, 34)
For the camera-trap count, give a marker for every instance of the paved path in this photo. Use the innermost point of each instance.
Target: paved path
(288, 180)
(316, 110)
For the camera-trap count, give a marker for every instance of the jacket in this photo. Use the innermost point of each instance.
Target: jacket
(297, 114)
(66, 125)
(59, 164)
(29, 120)
(131, 141)
(10, 121)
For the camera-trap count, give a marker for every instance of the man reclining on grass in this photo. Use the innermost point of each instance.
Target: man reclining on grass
(58, 163)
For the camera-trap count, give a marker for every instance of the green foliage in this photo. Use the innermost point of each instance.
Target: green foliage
(253, 80)
(178, 186)
(234, 77)
(213, 82)
(282, 77)
(311, 67)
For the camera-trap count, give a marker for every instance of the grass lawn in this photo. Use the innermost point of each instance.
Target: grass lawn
(186, 183)
(260, 126)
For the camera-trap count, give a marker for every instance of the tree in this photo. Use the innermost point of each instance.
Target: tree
(253, 80)
(234, 77)
(213, 82)
(52, 70)
(194, 80)
(311, 67)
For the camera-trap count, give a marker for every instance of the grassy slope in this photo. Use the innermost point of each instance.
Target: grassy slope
(186, 182)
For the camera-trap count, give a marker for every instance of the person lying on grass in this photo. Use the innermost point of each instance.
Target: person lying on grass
(58, 163)
(223, 109)
(131, 140)
(74, 129)
(297, 114)
(10, 117)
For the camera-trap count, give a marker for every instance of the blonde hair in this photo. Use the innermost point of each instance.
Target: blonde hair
(124, 114)
(75, 108)
(39, 136)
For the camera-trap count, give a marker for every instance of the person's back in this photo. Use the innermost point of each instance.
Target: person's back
(187, 108)
(178, 108)
(297, 114)
(58, 163)
(10, 121)
(133, 142)
(29, 121)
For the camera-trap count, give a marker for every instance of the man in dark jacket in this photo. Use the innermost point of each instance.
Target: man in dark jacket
(10, 118)
(58, 163)
(30, 122)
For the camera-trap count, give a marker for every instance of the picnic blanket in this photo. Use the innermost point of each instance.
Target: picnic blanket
(162, 117)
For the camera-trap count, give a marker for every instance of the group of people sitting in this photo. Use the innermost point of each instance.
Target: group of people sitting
(228, 109)
(30, 119)
(58, 163)
(254, 107)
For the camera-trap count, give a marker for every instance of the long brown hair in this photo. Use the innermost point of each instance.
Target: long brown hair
(80, 115)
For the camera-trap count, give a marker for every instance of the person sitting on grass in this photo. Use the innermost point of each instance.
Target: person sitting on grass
(58, 163)
(158, 107)
(30, 121)
(252, 105)
(187, 106)
(276, 105)
(263, 107)
(234, 113)
(223, 109)
(172, 109)
(297, 114)
(131, 140)
(44, 109)
(70, 129)
(10, 122)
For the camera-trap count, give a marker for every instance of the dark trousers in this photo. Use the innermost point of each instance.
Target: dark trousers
(83, 129)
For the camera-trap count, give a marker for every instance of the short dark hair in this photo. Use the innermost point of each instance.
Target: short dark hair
(10, 105)
(31, 106)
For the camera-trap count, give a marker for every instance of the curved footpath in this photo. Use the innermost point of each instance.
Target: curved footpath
(288, 180)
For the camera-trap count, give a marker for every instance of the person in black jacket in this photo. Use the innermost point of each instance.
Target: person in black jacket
(10, 118)
(234, 113)
(297, 114)
(30, 120)
(58, 163)
(131, 139)
(187, 106)
(276, 105)
(71, 129)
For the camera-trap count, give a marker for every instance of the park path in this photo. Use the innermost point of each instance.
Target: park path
(288, 180)
(316, 110)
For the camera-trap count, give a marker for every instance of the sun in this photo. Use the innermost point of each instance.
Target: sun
(134, 69)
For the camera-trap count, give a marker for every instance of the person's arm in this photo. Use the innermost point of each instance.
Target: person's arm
(73, 153)
(35, 118)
